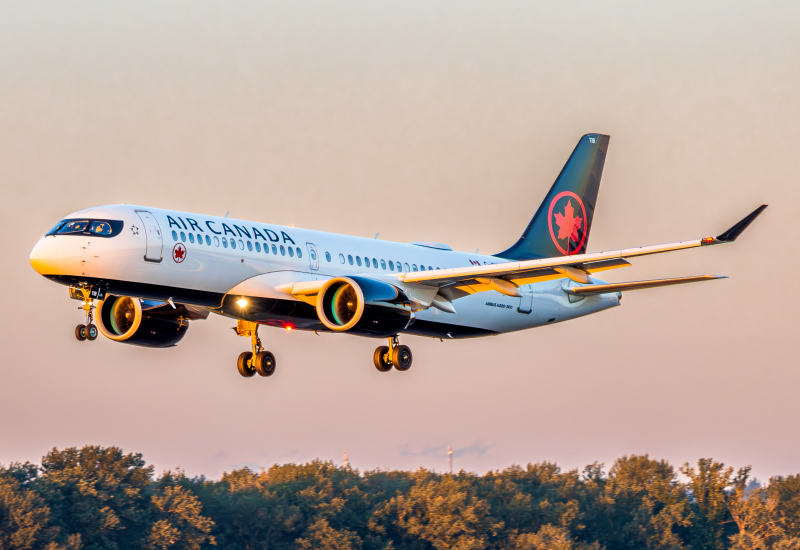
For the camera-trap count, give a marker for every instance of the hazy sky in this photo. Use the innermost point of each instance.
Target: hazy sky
(443, 121)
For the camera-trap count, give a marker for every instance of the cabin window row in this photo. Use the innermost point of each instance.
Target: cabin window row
(373, 262)
(233, 244)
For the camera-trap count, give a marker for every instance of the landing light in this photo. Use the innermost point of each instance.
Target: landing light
(289, 328)
(242, 302)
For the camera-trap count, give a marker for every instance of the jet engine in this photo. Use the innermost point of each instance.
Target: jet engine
(146, 323)
(362, 306)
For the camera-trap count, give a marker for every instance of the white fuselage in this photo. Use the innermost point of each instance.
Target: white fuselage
(198, 260)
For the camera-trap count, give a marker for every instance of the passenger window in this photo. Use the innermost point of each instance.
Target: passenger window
(174, 236)
(208, 240)
(275, 249)
(224, 242)
(328, 256)
(422, 267)
(74, 227)
(358, 260)
(375, 263)
(199, 239)
(313, 256)
(291, 252)
(283, 251)
(300, 253)
(241, 244)
(100, 228)
(350, 259)
(183, 237)
(249, 246)
(258, 246)
(391, 265)
(341, 258)
(407, 268)
(430, 268)
(191, 238)
(383, 264)
(216, 241)
(414, 267)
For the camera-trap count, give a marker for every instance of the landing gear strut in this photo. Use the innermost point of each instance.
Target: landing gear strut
(394, 355)
(258, 361)
(89, 330)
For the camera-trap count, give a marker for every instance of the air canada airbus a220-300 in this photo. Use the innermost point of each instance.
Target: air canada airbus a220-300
(143, 274)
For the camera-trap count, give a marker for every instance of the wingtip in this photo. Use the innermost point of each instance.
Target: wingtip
(733, 233)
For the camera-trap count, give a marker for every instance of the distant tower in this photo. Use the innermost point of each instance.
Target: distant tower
(450, 458)
(346, 462)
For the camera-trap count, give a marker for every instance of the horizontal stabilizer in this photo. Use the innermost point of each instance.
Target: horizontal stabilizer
(590, 290)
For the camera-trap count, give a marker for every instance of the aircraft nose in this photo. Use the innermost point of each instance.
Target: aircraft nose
(44, 256)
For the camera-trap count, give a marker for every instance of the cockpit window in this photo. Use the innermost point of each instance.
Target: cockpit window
(93, 228)
(74, 227)
(100, 228)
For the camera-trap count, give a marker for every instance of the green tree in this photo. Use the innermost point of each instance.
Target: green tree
(786, 492)
(445, 512)
(24, 517)
(180, 522)
(641, 505)
(708, 501)
(98, 493)
(321, 536)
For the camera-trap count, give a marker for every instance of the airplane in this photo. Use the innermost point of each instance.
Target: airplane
(143, 274)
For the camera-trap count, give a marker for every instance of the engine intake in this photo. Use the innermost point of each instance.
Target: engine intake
(139, 322)
(362, 306)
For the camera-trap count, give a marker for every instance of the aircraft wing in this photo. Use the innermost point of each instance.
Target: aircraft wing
(507, 276)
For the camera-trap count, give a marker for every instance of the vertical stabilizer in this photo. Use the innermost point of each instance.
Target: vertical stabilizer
(562, 223)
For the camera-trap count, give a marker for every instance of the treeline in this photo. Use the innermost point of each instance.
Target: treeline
(101, 498)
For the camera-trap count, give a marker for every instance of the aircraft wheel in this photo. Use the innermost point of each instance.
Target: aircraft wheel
(402, 358)
(91, 332)
(80, 333)
(244, 369)
(379, 358)
(265, 363)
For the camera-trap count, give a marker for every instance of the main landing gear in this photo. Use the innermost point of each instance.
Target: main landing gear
(258, 361)
(394, 355)
(89, 330)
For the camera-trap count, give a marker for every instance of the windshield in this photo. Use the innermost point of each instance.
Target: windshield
(96, 228)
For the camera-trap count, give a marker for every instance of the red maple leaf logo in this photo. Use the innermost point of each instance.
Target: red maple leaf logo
(568, 224)
(179, 253)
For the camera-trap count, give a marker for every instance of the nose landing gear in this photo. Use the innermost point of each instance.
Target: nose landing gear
(394, 355)
(258, 361)
(89, 330)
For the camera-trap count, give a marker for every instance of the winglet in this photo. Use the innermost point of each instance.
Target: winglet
(733, 233)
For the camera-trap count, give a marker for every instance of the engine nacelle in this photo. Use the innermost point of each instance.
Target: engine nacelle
(362, 306)
(140, 322)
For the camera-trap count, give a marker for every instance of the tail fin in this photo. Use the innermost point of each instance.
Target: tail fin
(561, 225)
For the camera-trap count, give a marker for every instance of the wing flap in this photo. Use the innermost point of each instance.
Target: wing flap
(591, 290)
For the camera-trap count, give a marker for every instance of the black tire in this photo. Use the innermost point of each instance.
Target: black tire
(241, 364)
(402, 358)
(379, 358)
(80, 333)
(91, 332)
(265, 363)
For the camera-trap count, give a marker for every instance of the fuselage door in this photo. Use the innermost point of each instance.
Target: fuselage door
(313, 257)
(155, 240)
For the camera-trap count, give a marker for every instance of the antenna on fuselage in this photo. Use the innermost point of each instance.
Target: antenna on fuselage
(226, 214)
(476, 250)
(376, 236)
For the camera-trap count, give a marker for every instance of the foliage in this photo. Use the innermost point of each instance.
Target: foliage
(101, 498)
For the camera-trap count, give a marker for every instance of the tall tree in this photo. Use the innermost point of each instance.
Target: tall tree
(708, 501)
(98, 493)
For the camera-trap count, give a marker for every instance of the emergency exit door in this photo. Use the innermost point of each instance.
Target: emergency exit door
(152, 231)
(313, 257)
